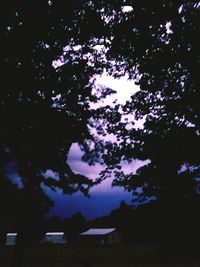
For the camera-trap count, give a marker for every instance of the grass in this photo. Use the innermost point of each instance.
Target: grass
(77, 254)
(119, 255)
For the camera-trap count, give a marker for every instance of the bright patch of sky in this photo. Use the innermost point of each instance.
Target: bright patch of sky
(124, 88)
(92, 172)
(168, 27)
(127, 9)
(11, 171)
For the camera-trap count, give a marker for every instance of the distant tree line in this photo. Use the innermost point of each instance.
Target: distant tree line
(174, 232)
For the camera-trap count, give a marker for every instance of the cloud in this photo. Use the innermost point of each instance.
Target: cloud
(103, 197)
(123, 86)
(92, 172)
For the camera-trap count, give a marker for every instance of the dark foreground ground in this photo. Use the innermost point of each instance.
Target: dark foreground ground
(110, 256)
(111, 265)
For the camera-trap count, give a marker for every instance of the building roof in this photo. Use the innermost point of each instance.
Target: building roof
(98, 231)
(55, 233)
(11, 234)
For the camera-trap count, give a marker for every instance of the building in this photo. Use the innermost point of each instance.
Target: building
(11, 239)
(54, 237)
(100, 236)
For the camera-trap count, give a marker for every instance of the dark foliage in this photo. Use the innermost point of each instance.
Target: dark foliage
(46, 89)
(45, 95)
(44, 106)
(74, 226)
(156, 43)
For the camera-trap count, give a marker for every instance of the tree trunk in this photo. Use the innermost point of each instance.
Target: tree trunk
(18, 259)
(2, 238)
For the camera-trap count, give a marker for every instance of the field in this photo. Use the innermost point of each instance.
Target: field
(113, 256)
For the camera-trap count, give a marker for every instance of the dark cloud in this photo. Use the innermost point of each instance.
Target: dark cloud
(103, 197)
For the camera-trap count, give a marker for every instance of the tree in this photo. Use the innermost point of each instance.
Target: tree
(46, 65)
(155, 43)
(46, 70)
(73, 226)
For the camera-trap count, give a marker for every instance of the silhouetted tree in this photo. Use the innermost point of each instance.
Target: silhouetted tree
(54, 224)
(46, 65)
(73, 226)
(46, 90)
(155, 43)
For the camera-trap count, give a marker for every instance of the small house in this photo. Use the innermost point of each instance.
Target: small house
(11, 239)
(55, 238)
(100, 236)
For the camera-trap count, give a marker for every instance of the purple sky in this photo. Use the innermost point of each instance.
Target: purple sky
(103, 198)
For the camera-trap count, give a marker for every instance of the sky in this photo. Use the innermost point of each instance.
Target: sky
(103, 198)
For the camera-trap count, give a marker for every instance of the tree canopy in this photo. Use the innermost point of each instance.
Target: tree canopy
(50, 50)
(156, 43)
(47, 72)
